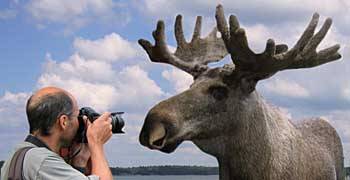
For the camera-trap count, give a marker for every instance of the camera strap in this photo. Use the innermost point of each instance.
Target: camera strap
(16, 165)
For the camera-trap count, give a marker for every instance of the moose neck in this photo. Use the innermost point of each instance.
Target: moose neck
(246, 147)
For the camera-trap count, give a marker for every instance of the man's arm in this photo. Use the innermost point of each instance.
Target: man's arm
(98, 133)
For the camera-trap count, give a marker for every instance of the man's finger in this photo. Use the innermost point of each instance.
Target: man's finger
(105, 116)
(86, 120)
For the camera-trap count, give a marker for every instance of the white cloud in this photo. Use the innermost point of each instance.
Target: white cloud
(57, 11)
(280, 9)
(12, 108)
(129, 86)
(110, 48)
(286, 88)
(13, 98)
(137, 90)
(76, 14)
(92, 79)
(77, 66)
(179, 79)
(159, 7)
(100, 6)
(97, 95)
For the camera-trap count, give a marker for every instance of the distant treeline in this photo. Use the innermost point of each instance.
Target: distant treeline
(162, 170)
(166, 170)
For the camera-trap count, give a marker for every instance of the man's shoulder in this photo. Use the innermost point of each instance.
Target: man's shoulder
(39, 154)
(39, 159)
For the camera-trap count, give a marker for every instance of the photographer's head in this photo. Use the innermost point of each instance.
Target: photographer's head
(53, 112)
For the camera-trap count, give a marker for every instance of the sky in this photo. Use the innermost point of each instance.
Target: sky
(89, 47)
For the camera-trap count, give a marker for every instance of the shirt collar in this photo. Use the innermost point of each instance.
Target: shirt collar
(36, 141)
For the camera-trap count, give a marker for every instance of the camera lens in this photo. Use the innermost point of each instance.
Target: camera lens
(92, 115)
(117, 122)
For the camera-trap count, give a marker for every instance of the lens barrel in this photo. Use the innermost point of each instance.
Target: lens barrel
(92, 115)
(117, 123)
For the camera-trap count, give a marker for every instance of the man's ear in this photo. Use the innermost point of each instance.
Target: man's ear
(63, 121)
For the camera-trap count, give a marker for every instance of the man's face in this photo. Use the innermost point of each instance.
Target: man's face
(72, 126)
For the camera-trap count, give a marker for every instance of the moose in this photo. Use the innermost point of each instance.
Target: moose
(223, 114)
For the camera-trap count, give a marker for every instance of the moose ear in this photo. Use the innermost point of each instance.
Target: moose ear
(248, 85)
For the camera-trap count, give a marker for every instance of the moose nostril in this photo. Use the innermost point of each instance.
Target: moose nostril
(157, 136)
(159, 142)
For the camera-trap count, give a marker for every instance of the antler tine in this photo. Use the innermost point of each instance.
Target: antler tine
(306, 55)
(275, 57)
(221, 23)
(190, 57)
(235, 39)
(324, 56)
(179, 35)
(197, 29)
(308, 33)
(199, 51)
(305, 37)
(160, 52)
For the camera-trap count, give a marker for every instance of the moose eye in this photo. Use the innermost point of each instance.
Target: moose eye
(218, 92)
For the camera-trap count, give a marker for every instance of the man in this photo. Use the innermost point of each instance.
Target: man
(53, 122)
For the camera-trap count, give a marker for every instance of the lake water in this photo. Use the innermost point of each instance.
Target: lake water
(189, 177)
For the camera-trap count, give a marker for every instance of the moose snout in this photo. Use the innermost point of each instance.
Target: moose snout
(153, 133)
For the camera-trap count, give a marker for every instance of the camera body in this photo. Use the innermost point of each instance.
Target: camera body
(92, 115)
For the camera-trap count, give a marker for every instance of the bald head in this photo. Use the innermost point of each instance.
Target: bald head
(46, 92)
(45, 106)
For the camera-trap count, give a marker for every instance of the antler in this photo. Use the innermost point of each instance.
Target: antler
(191, 57)
(275, 58)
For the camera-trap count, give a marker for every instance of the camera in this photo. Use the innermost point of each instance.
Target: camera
(92, 115)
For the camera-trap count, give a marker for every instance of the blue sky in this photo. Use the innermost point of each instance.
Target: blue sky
(89, 47)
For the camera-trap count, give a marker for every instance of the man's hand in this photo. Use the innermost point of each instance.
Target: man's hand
(100, 131)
